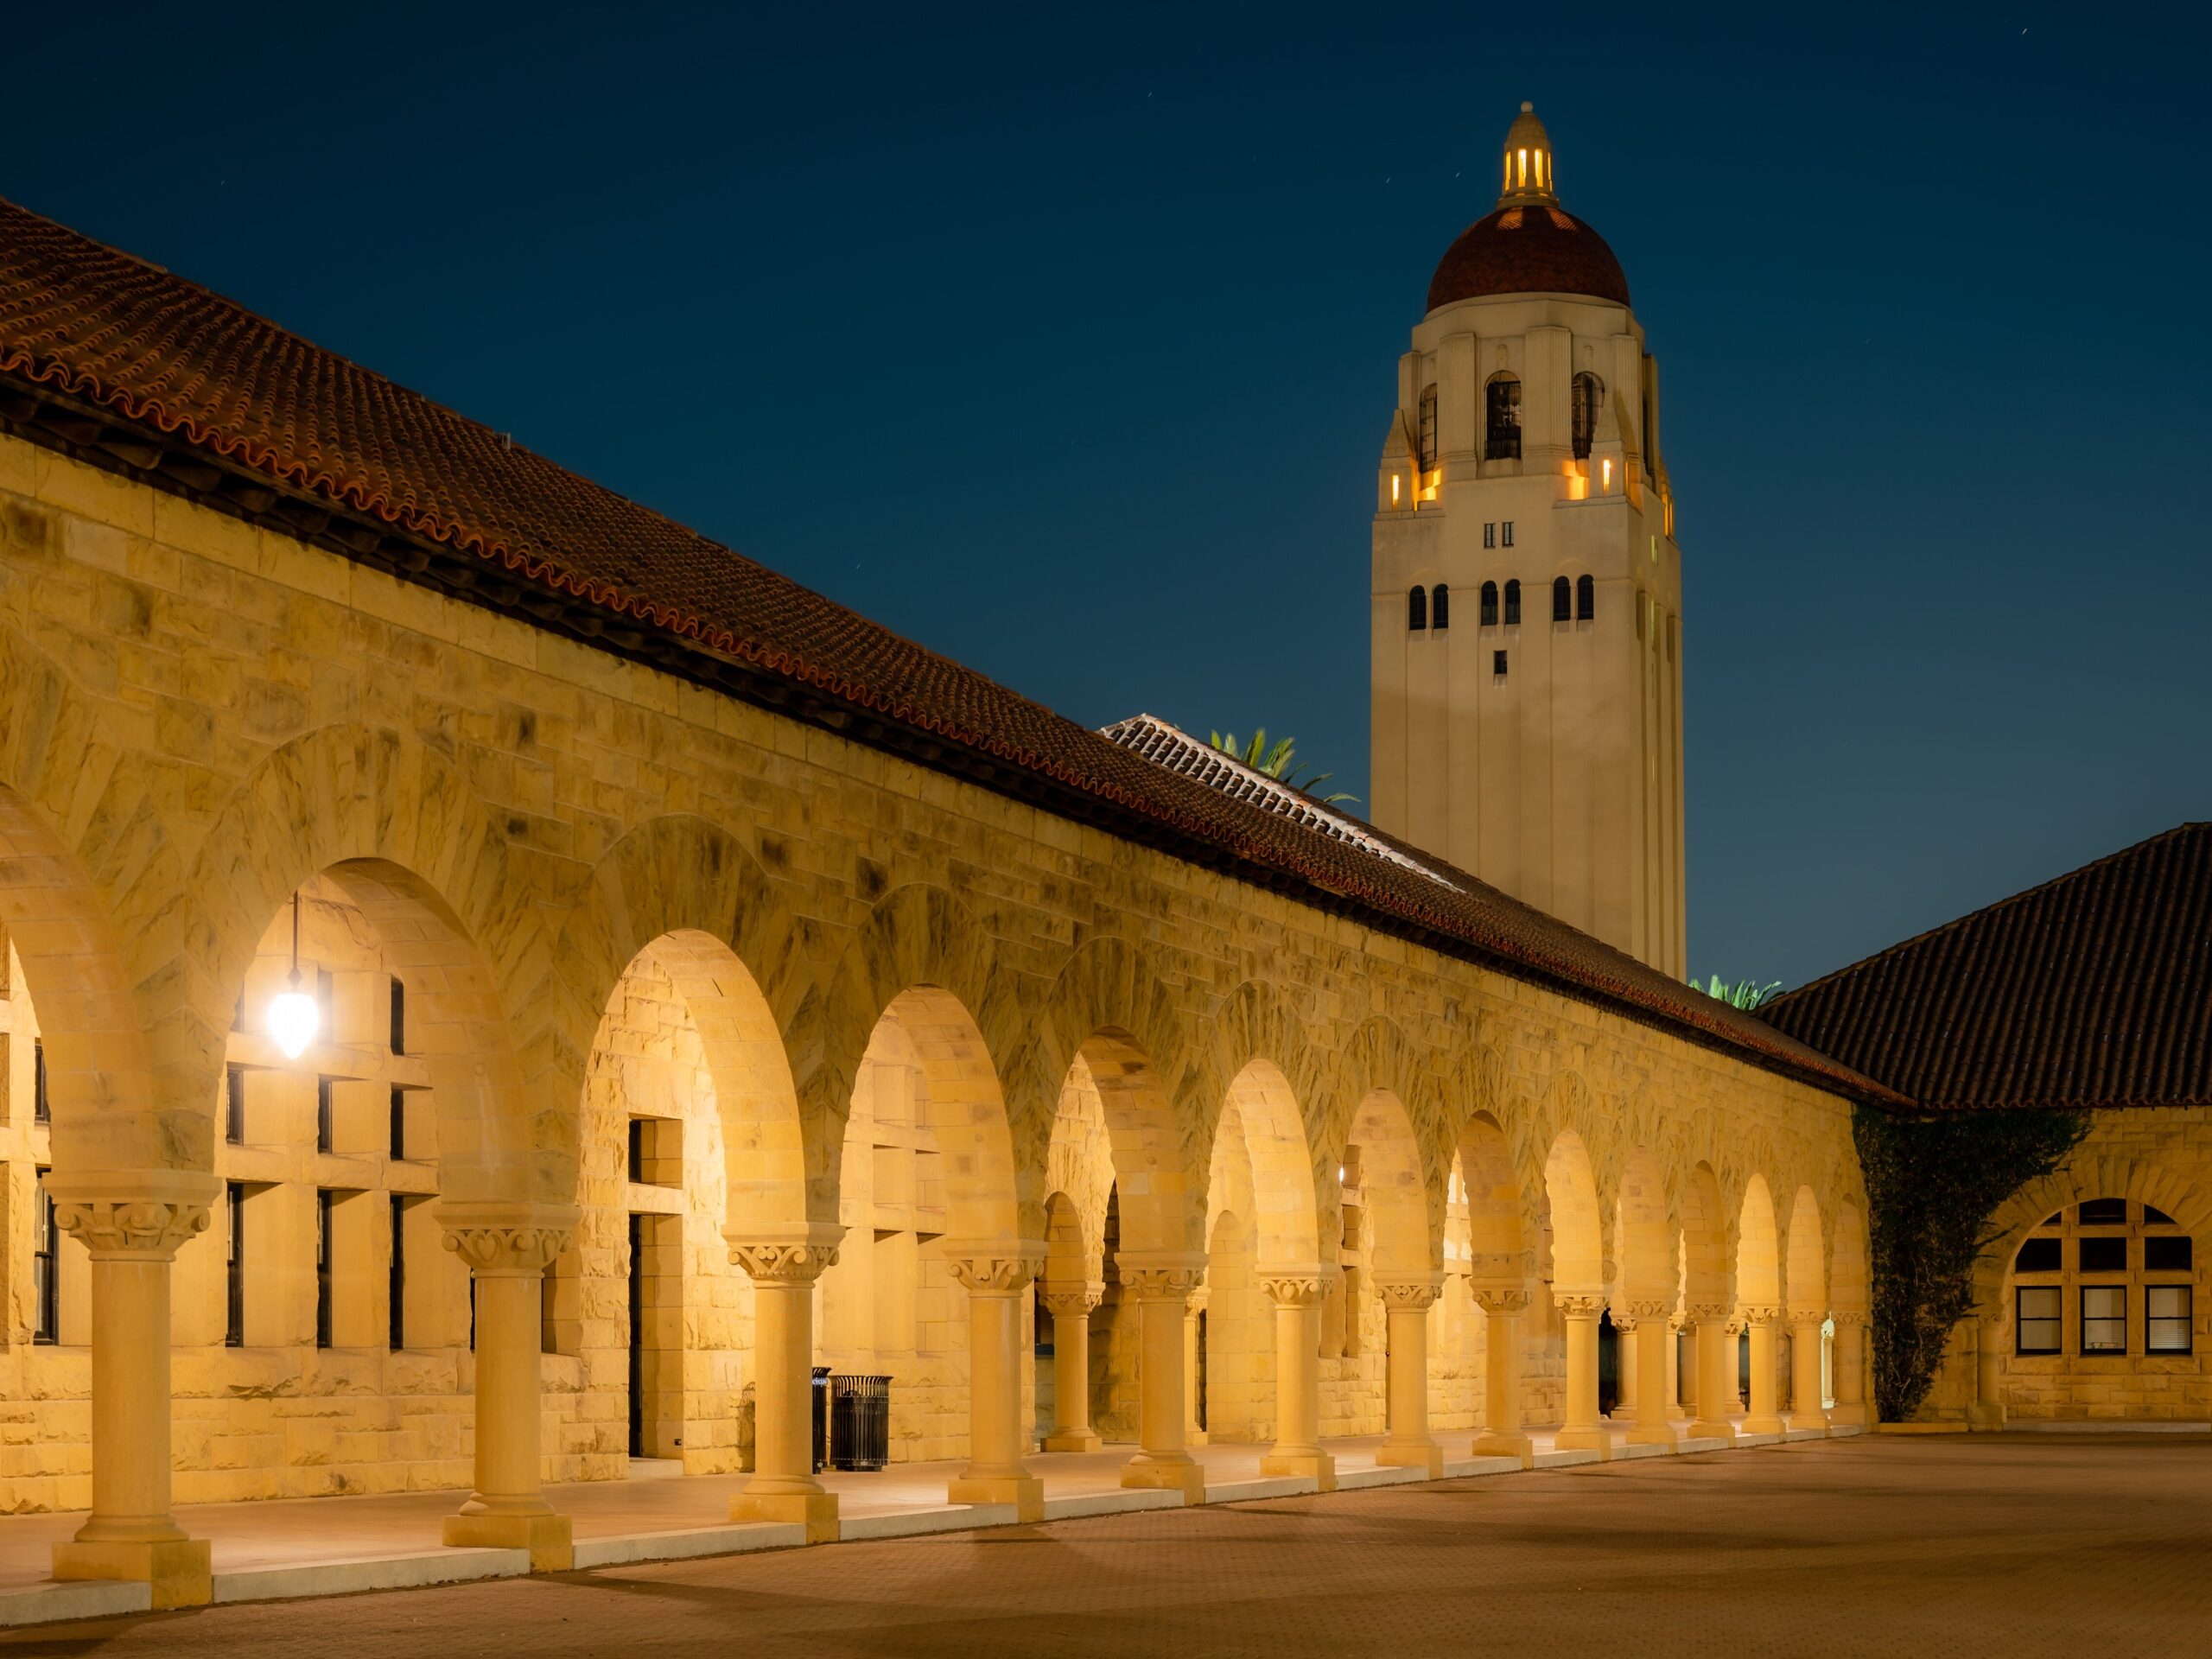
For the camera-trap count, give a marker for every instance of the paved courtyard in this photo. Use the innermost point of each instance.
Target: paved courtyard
(2024, 1544)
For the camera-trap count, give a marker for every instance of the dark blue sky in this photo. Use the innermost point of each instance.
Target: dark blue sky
(1065, 343)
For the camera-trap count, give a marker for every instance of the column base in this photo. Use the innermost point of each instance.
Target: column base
(816, 1511)
(1983, 1416)
(1798, 1421)
(1702, 1429)
(1194, 1437)
(1148, 1473)
(547, 1538)
(1599, 1440)
(177, 1569)
(1320, 1467)
(1025, 1492)
(1490, 1443)
(1767, 1425)
(1075, 1440)
(1658, 1435)
(1847, 1416)
(1417, 1454)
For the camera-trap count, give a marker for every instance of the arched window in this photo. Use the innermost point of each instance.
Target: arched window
(1440, 607)
(1512, 604)
(1501, 418)
(2129, 1272)
(1490, 605)
(1562, 602)
(1589, 398)
(1416, 610)
(1427, 428)
(1585, 597)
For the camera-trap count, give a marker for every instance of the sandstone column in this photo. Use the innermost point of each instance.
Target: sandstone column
(508, 1250)
(783, 1268)
(1193, 1434)
(1763, 1418)
(1647, 1320)
(1625, 1330)
(1070, 1310)
(1850, 1369)
(1715, 1390)
(1409, 1443)
(1159, 1282)
(133, 1229)
(1584, 1430)
(996, 1279)
(1682, 1389)
(1501, 1437)
(1988, 1408)
(1298, 1293)
(1806, 1410)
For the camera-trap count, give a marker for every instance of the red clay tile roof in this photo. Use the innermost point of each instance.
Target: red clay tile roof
(164, 357)
(1527, 248)
(2094, 990)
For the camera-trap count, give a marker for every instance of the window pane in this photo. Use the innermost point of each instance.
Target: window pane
(2154, 1216)
(2171, 1254)
(2036, 1326)
(2104, 1318)
(2105, 1212)
(2040, 1255)
(2103, 1256)
(2167, 1326)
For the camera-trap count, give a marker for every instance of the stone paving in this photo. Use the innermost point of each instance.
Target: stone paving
(2012, 1545)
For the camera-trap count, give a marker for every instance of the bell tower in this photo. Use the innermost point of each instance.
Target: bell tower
(1527, 668)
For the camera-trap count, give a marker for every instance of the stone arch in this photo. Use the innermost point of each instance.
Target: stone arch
(1393, 1187)
(1069, 1246)
(1648, 1258)
(1708, 1271)
(1577, 1220)
(1497, 1226)
(2111, 1176)
(1807, 1285)
(1287, 1214)
(1079, 1164)
(1850, 1274)
(1259, 1059)
(1758, 1248)
(969, 1117)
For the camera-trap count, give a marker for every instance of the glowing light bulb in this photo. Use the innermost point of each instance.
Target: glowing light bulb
(292, 1018)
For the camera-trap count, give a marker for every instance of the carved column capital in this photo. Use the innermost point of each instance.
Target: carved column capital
(131, 1229)
(1845, 1317)
(1708, 1312)
(492, 1250)
(1195, 1303)
(1808, 1316)
(1760, 1313)
(1295, 1286)
(1415, 1294)
(1501, 1298)
(995, 1269)
(1577, 1304)
(1161, 1275)
(1649, 1311)
(1064, 1302)
(781, 1263)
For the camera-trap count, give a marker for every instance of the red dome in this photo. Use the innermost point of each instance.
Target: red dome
(1527, 249)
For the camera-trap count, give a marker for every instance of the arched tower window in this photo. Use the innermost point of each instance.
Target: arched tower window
(1512, 604)
(1416, 610)
(1440, 605)
(1585, 597)
(1589, 398)
(1429, 429)
(1562, 601)
(1501, 418)
(1490, 605)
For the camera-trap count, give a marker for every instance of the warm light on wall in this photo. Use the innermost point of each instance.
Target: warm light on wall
(1524, 166)
(293, 1016)
(1607, 465)
(1394, 489)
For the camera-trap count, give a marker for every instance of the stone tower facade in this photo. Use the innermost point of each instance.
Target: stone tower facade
(1527, 588)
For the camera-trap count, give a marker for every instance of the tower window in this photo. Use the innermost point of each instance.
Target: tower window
(1502, 419)
(1505, 533)
(1513, 604)
(1428, 428)
(1440, 607)
(1490, 534)
(1416, 610)
(1585, 597)
(1589, 398)
(1490, 605)
(1498, 664)
(1562, 601)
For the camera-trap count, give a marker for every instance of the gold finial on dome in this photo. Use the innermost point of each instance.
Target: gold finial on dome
(1529, 172)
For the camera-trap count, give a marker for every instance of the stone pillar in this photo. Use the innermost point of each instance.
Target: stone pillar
(133, 1232)
(1647, 1320)
(1625, 1333)
(1988, 1408)
(1850, 1369)
(1298, 1294)
(1070, 1310)
(1501, 1437)
(1763, 1418)
(507, 1252)
(1716, 1386)
(995, 1279)
(1193, 1434)
(1159, 1282)
(1681, 1390)
(1408, 1444)
(1806, 1411)
(1584, 1430)
(784, 1267)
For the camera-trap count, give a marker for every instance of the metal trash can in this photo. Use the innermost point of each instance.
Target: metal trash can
(821, 1417)
(860, 1422)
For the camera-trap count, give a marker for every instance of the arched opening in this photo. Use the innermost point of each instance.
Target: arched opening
(1490, 605)
(1585, 597)
(1501, 418)
(1440, 607)
(1805, 1330)
(1578, 1288)
(1383, 1207)
(1513, 603)
(1588, 398)
(1562, 601)
(1649, 1266)
(1758, 1292)
(1493, 1273)
(1416, 610)
(1428, 428)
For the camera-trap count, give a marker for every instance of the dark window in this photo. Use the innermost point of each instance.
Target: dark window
(397, 1275)
(2104, 1255)
(234, 1267)
(1428, 428)
(1502, 419)
(1490, 535)
(1589, 398)
(46, 1280)
(1416, 610)
(638, 1149)
(1490, 605)
(1513, 604)
(2054, 1220)
(2168, 1253)
(2040, 1255)
(42, 1103)
(1585, 597)
(1440, 607)
(326, 1117)
(1562, 601)
(398, 1015)
(1498, 664)
(2154, 1216)
(2038, 1321)
(234, 1104)
(2105, 1212)
(549, 1307)
(2104, 1318)
(2168, 1319)
(1505, 532)
(322, 1268)
(398, 1121)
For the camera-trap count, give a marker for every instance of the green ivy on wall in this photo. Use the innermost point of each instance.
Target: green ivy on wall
(1932, 1184)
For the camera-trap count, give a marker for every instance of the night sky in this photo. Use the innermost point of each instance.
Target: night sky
(1066, 342)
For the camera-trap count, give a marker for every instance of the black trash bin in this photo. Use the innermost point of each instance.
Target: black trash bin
(860, 1422)
(821, 1417)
